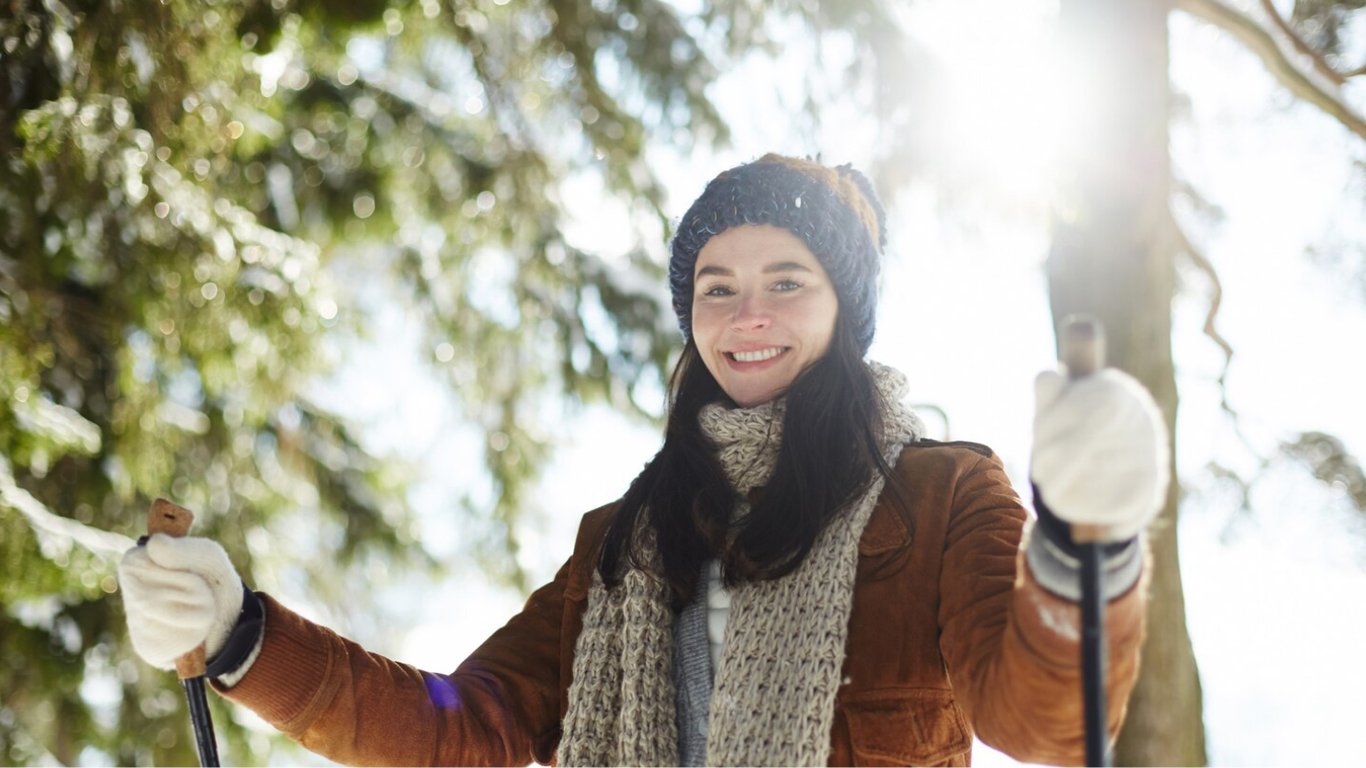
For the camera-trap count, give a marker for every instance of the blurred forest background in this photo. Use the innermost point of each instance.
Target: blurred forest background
(197, 199)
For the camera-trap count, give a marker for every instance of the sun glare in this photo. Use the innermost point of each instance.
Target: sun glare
(997, 96)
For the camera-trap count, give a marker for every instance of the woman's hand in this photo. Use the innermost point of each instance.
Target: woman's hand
(1100, 455)
(178, 593)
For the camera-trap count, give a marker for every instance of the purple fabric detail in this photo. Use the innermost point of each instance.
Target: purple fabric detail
(441, 691)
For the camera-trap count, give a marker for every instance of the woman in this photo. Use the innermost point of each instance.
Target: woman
(798, 577)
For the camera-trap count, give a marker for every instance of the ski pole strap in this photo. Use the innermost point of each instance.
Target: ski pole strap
(246, 633)
(1055, 561)
(1059, 533)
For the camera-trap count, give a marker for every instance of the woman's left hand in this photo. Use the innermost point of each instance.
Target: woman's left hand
(1100, 455)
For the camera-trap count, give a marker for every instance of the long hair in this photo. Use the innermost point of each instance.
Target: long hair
(830, 453)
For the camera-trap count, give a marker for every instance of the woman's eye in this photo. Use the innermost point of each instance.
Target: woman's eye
(717, 290)
(786, 285)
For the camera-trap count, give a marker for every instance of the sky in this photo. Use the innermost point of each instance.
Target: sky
(1273, 594)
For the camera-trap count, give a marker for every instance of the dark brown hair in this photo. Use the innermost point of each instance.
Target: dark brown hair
(830, 453)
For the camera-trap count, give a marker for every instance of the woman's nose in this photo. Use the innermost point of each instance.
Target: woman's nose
(751, 314)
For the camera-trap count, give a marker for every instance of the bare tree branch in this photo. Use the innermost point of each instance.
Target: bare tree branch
(1320, 63)
(1203, 264)
(1259, 41)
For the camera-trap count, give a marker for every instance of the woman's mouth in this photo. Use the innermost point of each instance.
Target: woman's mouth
(757, 355)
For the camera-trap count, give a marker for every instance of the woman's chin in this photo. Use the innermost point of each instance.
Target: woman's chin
(751, 397)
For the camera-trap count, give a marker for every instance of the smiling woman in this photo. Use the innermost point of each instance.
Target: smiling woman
(797, 577)
(763, 311)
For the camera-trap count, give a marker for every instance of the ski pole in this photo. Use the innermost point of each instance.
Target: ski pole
(1082, 344)
(173, 520)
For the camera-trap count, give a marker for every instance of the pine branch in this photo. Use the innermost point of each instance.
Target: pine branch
(1260, 42)
(1328, 458)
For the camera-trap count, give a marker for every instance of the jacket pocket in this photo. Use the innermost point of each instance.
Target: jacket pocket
(906, 726)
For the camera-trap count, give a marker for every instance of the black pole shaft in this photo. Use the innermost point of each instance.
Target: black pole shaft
(204, 742)
(1093, 654)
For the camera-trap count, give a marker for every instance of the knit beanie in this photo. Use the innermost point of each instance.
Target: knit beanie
(833, 210)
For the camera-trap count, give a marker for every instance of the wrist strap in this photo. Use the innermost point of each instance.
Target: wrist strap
(246, 633)
(1059, 533)
(1055, 560)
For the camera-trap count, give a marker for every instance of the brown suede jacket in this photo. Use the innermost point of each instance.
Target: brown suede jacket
(949, 636)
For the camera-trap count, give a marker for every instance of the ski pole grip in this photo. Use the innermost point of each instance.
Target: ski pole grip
(174, 520)
(1081, 343)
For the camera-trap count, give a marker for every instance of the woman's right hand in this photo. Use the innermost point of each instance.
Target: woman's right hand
(177, 594)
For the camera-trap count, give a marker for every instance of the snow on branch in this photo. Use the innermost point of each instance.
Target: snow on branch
(56, 534)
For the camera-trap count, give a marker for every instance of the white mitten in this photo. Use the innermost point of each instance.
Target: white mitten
(1100, 451)
(178, 593)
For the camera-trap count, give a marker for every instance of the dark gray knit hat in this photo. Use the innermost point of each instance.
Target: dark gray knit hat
(833, 210)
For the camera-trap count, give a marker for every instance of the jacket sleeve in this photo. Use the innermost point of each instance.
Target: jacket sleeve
(1012, 649)
(500, 707)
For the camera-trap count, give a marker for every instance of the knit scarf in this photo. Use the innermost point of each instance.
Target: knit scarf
(773, 701)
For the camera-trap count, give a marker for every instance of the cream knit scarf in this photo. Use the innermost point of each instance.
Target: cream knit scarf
(773, 699)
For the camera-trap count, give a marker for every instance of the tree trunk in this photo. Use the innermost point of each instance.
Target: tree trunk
(1112, 257)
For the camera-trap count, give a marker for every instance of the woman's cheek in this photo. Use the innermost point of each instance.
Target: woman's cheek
(704, 316)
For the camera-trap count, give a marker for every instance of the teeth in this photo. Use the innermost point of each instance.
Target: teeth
(760, 355)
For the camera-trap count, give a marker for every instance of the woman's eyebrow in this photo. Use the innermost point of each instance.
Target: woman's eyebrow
(777, 266)
(786, 266)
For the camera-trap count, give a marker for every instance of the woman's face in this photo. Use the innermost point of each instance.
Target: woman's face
(763, 309)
